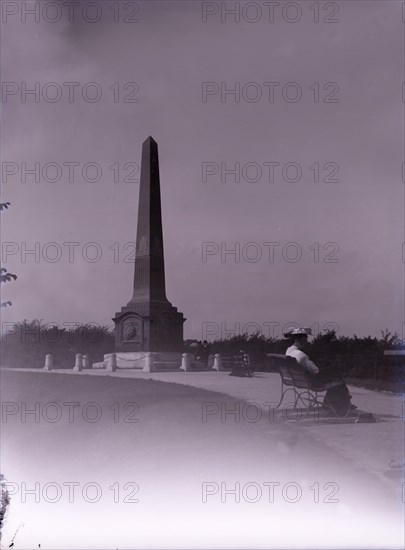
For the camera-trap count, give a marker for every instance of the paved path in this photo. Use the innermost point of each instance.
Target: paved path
(172, 452)
(377, 447)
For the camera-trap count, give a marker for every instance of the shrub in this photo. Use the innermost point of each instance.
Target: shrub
(27, 343)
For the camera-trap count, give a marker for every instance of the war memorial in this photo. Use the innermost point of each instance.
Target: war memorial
(148, 329)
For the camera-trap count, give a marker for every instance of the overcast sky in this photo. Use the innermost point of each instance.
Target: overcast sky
(355, 124)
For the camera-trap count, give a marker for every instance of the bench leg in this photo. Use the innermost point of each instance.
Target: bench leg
(315, 398)
(300, 398)
(310, 399)
(283, 392)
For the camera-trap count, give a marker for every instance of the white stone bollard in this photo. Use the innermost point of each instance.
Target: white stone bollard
(148, 365)
(48, 362)
(112, 362)
(211, 360)
(86, 362)
(186, 362)
(78, 362)
(217, 362)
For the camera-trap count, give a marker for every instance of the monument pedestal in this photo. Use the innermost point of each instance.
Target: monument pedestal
(155, 327)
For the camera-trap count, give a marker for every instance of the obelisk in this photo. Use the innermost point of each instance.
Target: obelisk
(149, 322)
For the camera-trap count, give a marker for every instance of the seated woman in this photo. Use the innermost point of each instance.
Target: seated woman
(337, 397)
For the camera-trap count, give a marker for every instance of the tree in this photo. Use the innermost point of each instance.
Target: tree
(5, 276)
(4, 500)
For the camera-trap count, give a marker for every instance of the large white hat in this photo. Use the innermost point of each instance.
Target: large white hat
(298, 332)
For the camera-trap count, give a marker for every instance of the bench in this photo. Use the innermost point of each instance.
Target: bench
(226, 362)
(237, 365)
(294, 378)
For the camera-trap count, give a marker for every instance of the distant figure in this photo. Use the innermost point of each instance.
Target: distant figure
(205, 350)
(337, 398)
(241, 365)
(199, 350)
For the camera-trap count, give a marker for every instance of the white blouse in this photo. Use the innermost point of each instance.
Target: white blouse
(302, 359)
